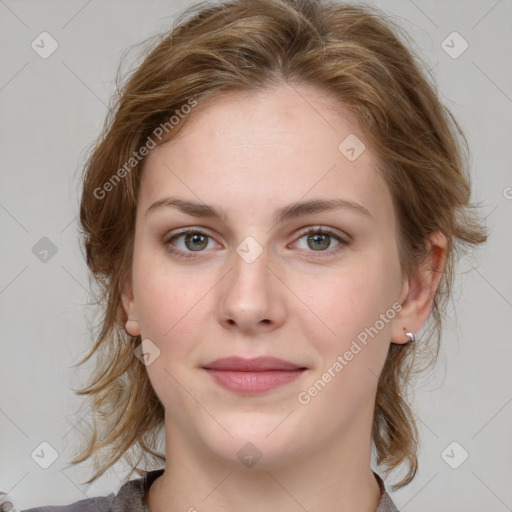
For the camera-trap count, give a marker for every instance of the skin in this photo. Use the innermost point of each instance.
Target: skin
(251, 154)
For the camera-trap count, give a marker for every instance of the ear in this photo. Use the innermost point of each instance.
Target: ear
(132, 325)
(417, 295)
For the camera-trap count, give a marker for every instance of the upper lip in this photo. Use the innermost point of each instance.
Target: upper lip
(257, 364)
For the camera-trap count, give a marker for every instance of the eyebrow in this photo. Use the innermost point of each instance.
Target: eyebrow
(289, 212)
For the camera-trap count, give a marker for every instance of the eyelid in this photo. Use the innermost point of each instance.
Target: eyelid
(343, 238)
(188, 231)
(318, 227)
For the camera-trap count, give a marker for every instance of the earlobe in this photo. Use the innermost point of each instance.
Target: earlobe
(420, 291)
(132, 328)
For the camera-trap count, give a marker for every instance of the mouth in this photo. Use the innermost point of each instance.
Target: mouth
(253, 376)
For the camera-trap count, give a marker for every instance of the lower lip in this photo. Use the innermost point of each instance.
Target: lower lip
(253, 382)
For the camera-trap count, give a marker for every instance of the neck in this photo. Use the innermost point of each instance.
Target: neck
(337, 477)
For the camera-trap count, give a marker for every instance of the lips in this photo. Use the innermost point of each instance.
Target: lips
(257, 364)
(252, 376)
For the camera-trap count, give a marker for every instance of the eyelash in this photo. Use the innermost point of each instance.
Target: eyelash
(317, 230)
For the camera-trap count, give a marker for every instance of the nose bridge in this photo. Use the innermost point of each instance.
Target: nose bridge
(250, 276)
(249, 294)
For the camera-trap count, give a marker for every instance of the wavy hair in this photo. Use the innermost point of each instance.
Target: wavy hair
(352, 53)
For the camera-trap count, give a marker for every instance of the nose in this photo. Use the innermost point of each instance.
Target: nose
(251, 298)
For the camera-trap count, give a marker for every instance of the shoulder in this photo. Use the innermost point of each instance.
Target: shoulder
(385, 503)
(101, 504)
(130, 498)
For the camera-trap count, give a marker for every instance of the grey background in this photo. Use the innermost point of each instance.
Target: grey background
(52, 109)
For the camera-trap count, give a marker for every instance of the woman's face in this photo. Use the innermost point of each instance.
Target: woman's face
(260, 282)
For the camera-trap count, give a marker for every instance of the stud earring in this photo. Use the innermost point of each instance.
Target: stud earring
(411, 337)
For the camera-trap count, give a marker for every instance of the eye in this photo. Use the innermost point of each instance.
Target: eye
(316, 240)
(319, 239)
(193, 240)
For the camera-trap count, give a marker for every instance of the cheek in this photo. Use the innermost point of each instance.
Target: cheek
(165, 294)
(346, 301)
(171, 315)
(352, 340)
(173, 306)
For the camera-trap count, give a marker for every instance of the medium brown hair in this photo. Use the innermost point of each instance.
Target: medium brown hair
(349, 52)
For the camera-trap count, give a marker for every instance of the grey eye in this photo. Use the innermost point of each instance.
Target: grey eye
(319, 241)
(196, 241)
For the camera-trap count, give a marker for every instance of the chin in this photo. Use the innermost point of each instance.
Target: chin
(253, 448)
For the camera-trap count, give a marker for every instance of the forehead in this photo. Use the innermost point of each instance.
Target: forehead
(266, 149)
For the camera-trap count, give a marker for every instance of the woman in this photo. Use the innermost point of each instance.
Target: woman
(272, 214)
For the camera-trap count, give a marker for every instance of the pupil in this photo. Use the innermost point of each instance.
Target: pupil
(196, 238)
(318, 238)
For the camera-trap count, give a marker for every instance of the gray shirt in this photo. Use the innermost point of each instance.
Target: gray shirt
(130, 498)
